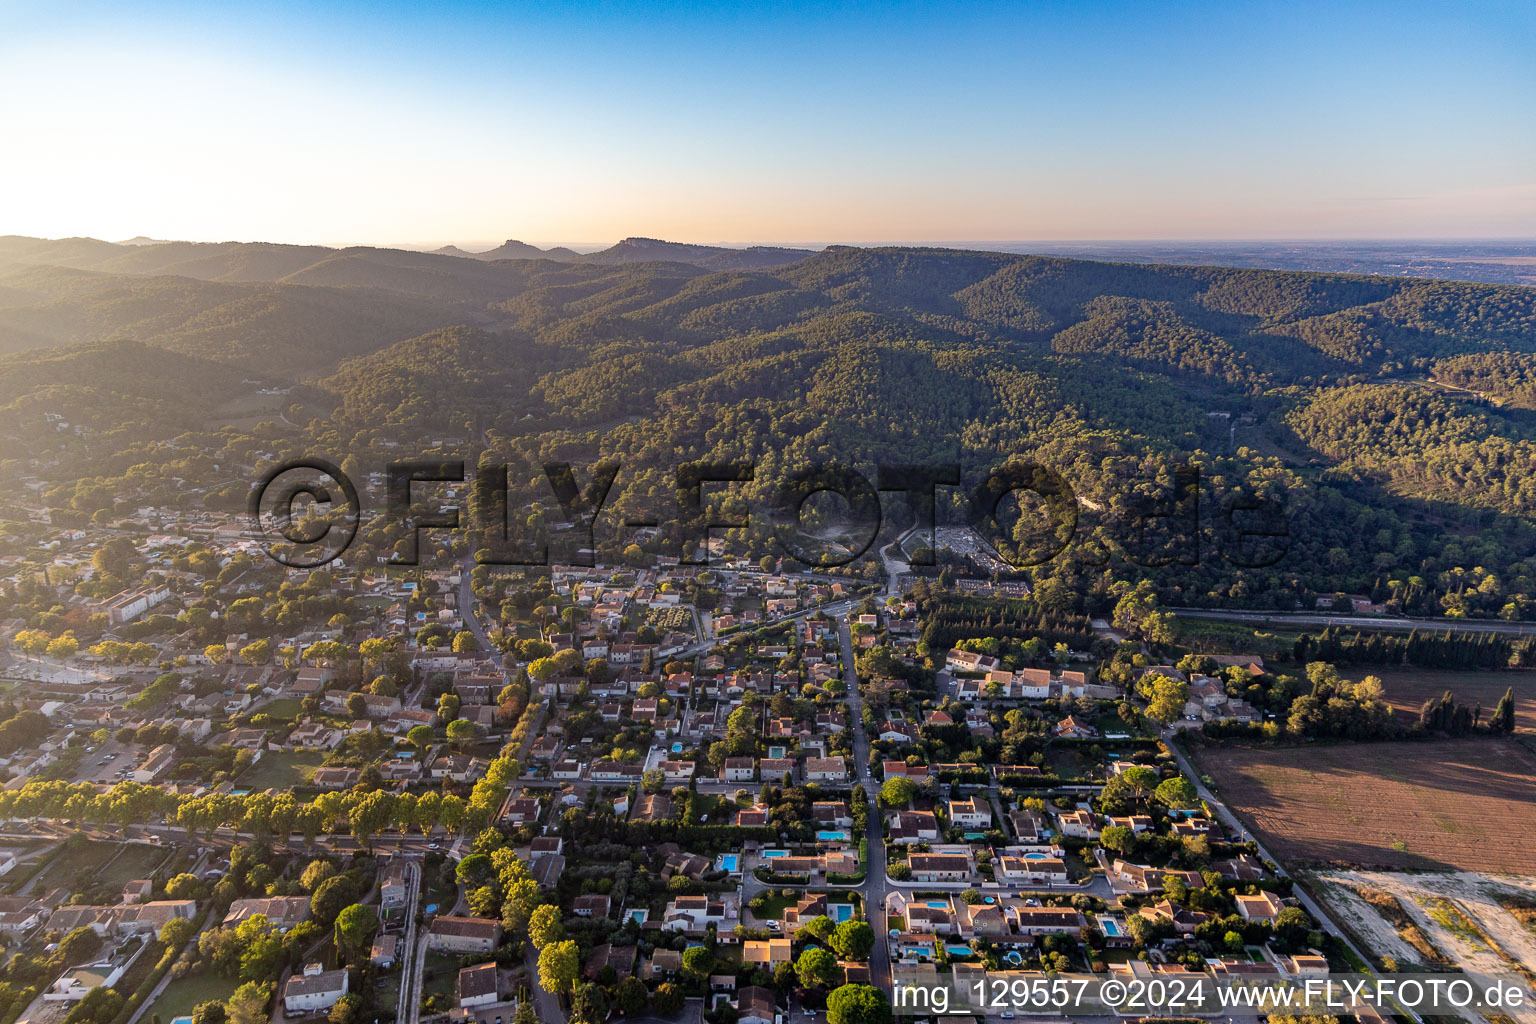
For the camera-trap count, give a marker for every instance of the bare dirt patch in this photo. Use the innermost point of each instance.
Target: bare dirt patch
(1427, 806)
(1461, 915)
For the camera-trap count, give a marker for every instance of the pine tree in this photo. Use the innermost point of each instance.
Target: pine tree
(1503, 720)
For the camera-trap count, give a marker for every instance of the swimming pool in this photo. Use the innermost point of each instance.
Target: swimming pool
(774, 854)
(832, 836)
(958, 950)
(726, 862)
(677, 748)
(840, 912)
(637, 916)
(938, 904)
(776, 752)
(1108, 927)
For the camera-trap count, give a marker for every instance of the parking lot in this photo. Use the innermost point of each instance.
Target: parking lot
(110, 762)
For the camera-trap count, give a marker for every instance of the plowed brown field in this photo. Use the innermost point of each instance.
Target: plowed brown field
(1447, 804)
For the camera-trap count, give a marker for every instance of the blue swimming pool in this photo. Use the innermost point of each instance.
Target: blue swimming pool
(958, 950)
(938, 904)
(832, 836)
(726, 862)
(677, 748)
(840, 912)
(1108, 927)
(772, 854)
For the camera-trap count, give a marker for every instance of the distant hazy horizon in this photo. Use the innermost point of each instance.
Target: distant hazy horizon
(999, 244)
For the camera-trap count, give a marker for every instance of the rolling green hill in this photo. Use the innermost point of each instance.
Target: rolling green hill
(1312, 389)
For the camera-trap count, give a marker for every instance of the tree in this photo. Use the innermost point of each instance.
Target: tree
(858, 1004)
(210, 1013)
(1503, 720)
(588, 1004)
(545, 926)
(78, 947)
(357, 706)
(258, 652)
(346, 1010)
(448, 706)
(819, 928)
(629, 999)
(460, 732)
(897, 791)
(698, 961)
(559, 965)
(185, 886)
(420, 737)
(853, 940)
(1177, 793)
(1165, 697)
(248, 1004)
(1118, 839)
(667, 1000)
(817, 968)
(331, 897)
(316, 872)
(355, 926)
(175, 932)
(98, 1006)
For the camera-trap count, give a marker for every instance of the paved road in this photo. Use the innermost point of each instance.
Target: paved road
(1362, 622)
(408, 1009)
(875, 884)
(544, 1003)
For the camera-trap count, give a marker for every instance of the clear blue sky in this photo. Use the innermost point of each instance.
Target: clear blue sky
(429, 123)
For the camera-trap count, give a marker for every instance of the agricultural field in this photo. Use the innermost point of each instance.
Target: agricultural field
(1409, 688)
(1426, 806)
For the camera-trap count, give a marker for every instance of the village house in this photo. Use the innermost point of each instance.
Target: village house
(314, 990)
(463, 934)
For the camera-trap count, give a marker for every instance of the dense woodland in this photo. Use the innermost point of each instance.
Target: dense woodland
(1386, 418)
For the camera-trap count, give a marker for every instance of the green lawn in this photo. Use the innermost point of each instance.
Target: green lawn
(440, 975)
(135, 861)
(183, 995)
(285, 709)
(280, 769)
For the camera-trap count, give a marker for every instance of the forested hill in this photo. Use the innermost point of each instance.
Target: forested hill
(1387, 412)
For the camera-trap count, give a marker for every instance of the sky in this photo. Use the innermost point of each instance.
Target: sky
(428, 123)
